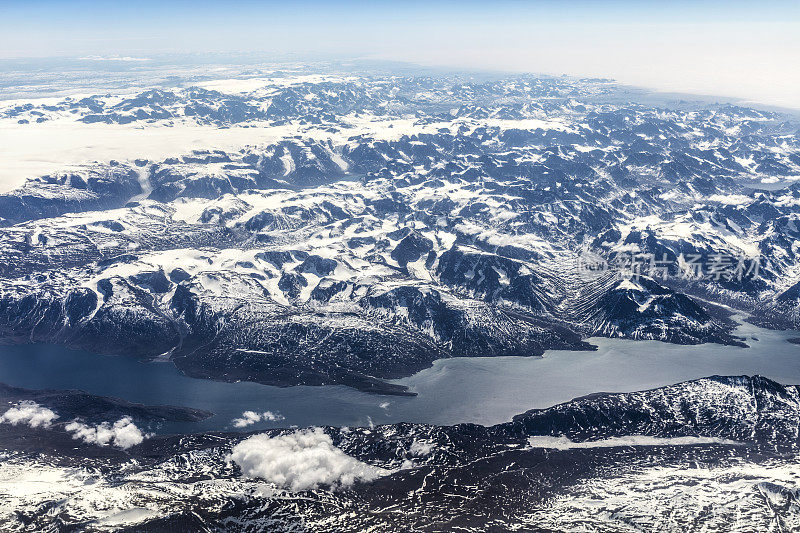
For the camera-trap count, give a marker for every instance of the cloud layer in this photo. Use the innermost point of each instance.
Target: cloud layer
(302, 460)
(29, 413)
(123, 434)
(249, 418)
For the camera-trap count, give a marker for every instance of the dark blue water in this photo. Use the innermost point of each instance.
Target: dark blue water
(56, 367)
(481, 390)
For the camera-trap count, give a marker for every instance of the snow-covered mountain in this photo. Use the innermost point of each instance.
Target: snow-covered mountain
(387, 222)
(700, 455)
(350, 228)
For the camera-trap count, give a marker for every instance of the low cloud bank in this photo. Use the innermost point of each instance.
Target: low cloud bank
(302, 460)
(563, 443)
(249, 418)
(29, 413)
(123, 434)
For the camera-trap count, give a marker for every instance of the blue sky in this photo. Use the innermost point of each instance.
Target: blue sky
(736, 48)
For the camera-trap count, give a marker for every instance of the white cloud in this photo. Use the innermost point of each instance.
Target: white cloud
(420, 448)
(563, 443)
(249, 418)
(30, 413)
(301, 460)
(123, 434)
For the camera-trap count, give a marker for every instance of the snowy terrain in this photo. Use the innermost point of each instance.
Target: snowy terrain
(292, 227)
(713, 454)
(325, 229)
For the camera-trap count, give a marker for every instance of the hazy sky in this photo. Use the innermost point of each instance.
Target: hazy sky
(731, 48)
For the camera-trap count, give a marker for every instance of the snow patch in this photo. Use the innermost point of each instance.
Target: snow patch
(730, 199)
(563, 443)
(126, 59)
